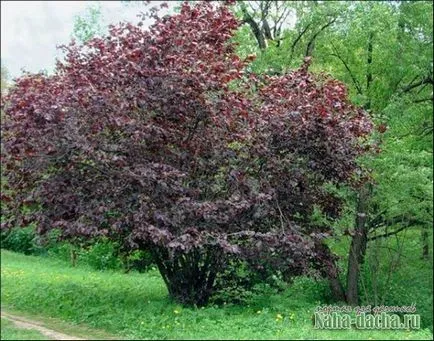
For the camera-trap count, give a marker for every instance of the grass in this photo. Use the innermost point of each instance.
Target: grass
(10, 332)
(136, 305)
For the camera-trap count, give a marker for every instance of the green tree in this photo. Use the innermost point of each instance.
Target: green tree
(4, 78)
(383, 51)
(89, 24)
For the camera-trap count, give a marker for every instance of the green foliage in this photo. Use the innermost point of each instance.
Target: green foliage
(239, 283)
(138, 260)
(4, 78)
(101, 255)
(106, 255)
(382, 284)
(61, 251)
(89, 24)
(22, 239)
(403, 171)
(269, 61)
(383, 52)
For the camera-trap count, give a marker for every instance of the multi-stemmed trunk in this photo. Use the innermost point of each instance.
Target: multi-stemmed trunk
(189, 276)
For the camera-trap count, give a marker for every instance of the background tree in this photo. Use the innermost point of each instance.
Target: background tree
(89, 24)
(388, 68)
(4, 79)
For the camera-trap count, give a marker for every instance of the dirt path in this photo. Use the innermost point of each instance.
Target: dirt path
(25, 323)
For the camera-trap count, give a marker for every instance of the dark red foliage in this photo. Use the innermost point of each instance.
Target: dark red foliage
(313, 136)
(141, 137)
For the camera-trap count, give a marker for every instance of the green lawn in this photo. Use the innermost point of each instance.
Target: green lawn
(10, 332)
(136, 305)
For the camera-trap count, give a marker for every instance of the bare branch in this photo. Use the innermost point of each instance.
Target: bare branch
(353, 78)
(298, 39)
(247, 18)
(408, 224)
(423, 81)
(388, 234)
(423, 100)
(311, 43)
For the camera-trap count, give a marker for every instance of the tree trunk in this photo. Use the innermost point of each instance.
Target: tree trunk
(311, 45)
(189, 276)
(360, 237)
(329, 270)
(259, 35)
(73, 256)
(369, 77)
(358, 246)
(425, 243)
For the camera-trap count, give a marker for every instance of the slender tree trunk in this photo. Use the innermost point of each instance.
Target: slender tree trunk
(259, 35)
(358, 246)
(330, 271)
(336, 286)
(425, 243)
(360, 238)
(369, 76)
(73, 255)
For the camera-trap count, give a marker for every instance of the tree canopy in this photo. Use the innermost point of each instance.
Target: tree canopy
(161, 139)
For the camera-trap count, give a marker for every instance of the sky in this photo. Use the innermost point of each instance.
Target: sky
(30, 30)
